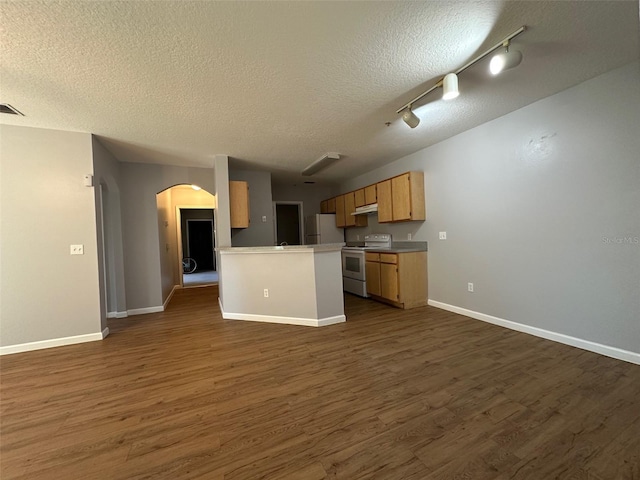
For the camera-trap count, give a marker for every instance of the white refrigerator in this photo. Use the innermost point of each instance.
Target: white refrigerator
(321, 228)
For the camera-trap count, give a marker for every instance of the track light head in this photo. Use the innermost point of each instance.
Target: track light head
(505, 60)
(410, 118)
(450, 86)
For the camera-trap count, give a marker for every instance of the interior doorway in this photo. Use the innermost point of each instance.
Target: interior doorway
(288, 224)
(198, 243)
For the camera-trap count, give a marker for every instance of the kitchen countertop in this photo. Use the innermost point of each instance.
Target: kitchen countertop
(397, 247)
(396, 250)
(325, 247)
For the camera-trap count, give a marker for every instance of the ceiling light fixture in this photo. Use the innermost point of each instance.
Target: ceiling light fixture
(410, 118)
(450, 86)
(505, 60)
(320, 164)
(449, 91)
(196, 187)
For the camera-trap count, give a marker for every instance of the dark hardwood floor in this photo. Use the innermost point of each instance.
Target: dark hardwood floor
(391, 394)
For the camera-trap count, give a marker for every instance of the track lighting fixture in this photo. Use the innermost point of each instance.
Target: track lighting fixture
(322, 163)
(505, 60)
(410, 118)
(450, 86)
(449, 83)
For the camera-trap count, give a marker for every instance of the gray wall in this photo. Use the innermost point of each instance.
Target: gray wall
(140, 184)
(259, 233)
(309, 195)
(109, 225)
(45, 292)
(541, 213)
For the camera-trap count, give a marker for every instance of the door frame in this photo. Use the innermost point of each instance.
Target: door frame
(179, 235)
(300, 218)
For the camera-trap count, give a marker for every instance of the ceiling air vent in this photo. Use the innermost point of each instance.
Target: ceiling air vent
(6, 108)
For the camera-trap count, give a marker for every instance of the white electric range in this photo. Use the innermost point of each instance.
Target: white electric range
(354, 278)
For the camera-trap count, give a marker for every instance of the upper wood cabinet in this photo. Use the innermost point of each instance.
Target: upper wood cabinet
(239, 204)
(370, 195)
(331, 205)
(401, 198)
(349, 208)
(385, 206)
(340, 216)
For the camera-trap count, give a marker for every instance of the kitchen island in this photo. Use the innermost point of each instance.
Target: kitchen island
(296, 284)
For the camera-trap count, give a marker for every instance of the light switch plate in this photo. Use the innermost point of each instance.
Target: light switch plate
(443, 235)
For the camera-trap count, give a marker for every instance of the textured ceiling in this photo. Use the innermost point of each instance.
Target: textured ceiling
(275, 85)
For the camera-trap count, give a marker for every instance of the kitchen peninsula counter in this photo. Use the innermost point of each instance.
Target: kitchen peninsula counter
(293, 284)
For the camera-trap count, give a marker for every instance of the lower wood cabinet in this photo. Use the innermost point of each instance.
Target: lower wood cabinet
(399, 279)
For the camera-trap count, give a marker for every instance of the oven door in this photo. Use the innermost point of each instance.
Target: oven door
(353, 264)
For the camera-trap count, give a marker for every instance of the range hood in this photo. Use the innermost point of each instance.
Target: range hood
(373, 208)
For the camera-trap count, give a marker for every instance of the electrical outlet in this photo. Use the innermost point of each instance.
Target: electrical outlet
(408, 236)
(266, 293)
(470, 286)
(76, 250)
(443, 235)
(264, 219)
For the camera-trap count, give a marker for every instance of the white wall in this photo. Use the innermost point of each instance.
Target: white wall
(140, 184)
(535, 205)
(259, 233)
(45, 293)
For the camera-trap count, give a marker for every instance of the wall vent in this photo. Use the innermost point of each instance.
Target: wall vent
(6, 108)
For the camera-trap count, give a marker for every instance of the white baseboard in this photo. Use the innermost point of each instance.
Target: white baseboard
(613, 352)
(54, 342)
(143, 311)
(307, 322)
(166, 302)
(117, 315)
(105, 332)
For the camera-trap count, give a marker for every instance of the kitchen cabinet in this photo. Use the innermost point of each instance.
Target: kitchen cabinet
(370, 195)
(372, 273)
(340, 216)
(385, 207)
(349, 208)
(328, 205)
(401, 198)
(359, 196)
(399, 279)
(345, 205)
(239, 204)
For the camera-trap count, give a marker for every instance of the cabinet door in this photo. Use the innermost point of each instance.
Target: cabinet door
(372, 272)
(401, 197)
(331, 205)
(239, 204)
(349, 208)
(370, 195)
(385, 210)
(389, 281)
(359, 195)
(340, 217)
(323, 207)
